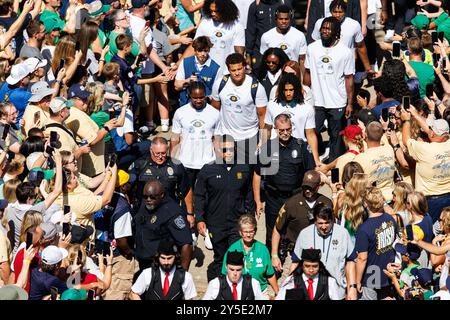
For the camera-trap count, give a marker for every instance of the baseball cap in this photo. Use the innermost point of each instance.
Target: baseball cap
(78, 91)
(74, 294)
(423, 275)
(81, 233)
(351, 131)
(420, 21)
(47, 174)
(410, 250)
(139, 3)
(124, 177)
(18, 72)
(34, 63)
(97, 7)
(53, 255)
(439, 126)
(13, 292)
(50, 230)
(3, 204)
(311, 179)
(52, 23)
(40, 90)
(59, 103)
(32, 158)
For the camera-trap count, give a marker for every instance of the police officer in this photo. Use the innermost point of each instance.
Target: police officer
(222, 194)
(160, 217)
(281, 167)
(161, 167)
(165, 281)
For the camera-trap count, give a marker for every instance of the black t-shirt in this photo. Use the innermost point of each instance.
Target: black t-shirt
(6, 22)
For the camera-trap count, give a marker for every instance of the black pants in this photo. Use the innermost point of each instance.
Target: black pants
(336, 123)
(402, 17)
(272, 208)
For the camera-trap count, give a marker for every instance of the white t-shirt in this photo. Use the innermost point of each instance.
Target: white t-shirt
(243, 6)
(350, 32)
(224, 38)
(145, 278)
(327, 8)
(293, 43)
(328, 68)
(196, 129)
(302, 117)
(128, 124)
(137, 25)
(238, 116)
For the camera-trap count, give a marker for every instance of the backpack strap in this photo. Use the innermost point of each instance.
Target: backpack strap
(57, 125)
(254, 89)
(223, 82)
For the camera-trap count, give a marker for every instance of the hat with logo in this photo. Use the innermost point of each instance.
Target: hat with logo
(18, 72)
(13, 292)
(410, 250)
(74, 294)
(32, 158)
(366, 116)
(81, 233)
(423, 275)
(52, 255)
(351, 131)
(439, 126)
(96, 8)
(78, 91)
(124, 177)
(235, 258)
(40, 90)
(50, 230)
(59, 103)
(311, 179)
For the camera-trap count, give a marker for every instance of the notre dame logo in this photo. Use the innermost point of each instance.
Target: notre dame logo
(233, 98)
(197, 124)
(325, 60)
(283, 47)
(219, 34)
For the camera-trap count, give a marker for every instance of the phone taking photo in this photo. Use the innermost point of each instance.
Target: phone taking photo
(66, 228)
(53, 139)
(91, 294)
(112, 160)
(5, 131)
(396, 50)
(441, 36)
(29, 241)
(409, 232)
(385, 114)
(335, 175)
(406, 101)
(429, 90)
(434, 36)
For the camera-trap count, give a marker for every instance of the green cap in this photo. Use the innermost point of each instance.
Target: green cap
(74, 294)
(420, 21)
(48, 174)
(103, 9)
(52, 23)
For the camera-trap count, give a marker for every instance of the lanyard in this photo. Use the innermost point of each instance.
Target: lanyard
(323, 246)
(354, 152)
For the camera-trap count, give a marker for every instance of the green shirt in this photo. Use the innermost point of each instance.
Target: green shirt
(100, 118)
(425, 74)
(258, 263)
(443, 25)
(406, 274)
(50, 14)
(113, 48)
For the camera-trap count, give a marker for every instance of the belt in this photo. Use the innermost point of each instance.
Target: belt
(438, 196)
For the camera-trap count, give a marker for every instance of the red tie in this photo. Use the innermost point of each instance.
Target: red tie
(235, 296)
(166, 284)
(310, 289)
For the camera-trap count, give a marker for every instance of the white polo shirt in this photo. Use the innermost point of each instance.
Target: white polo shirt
(238, 116)
(293, 43)
(350, 32)
(196, 128)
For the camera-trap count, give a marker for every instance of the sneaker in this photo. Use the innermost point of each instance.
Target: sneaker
(147, 130)
(164, 128)
(208, 243)
(389, 35)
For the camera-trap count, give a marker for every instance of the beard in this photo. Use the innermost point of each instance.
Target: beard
(166, 267)
(150, 207)
(327, 42)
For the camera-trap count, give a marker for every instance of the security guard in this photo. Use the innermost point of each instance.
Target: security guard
(281, 166)
(222, 194)
(161, 167)
(160, 217)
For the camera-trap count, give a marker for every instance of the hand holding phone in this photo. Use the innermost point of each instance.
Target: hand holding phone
(91, 294)
(29, 239)
(335, 175)
(429, 90)
(409, 232)
(112, 160)
(385, 114)
(66, 228)
(434, 36)
(53, 139)
(406, 102)
(396, 50)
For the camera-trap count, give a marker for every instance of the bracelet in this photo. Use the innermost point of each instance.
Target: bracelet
(353, 285)
(274, 256)
(190, 214)
(101, 60)
(106, 128)
(109, 265)
(27, 261)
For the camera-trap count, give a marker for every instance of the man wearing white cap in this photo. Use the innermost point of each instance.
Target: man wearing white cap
(432, 159)
(37, 112)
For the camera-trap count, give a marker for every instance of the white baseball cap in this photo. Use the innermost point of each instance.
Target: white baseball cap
(40, 90)
(18, 72)
(59, 103)
(439, 126)
(33, 63)
(53, 255)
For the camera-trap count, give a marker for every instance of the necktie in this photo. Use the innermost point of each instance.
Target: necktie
(235, 296)
(166, 284)
(310, 289)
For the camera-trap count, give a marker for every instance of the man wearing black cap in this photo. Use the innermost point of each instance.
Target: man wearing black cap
(309, 281)
(178, 284)
(235, 285)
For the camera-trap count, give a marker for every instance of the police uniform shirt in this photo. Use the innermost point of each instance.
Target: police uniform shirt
(196, 128)
(293, 43)
(350, 32)
(238, 116)
(288, 284)
(302, 117)
(214, 287)
(145, 278)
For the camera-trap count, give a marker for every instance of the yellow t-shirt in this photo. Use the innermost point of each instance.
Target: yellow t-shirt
(342, 161)
(28, 117)
(85, 128)
(67, 141)
(433, 166)
(379, 164)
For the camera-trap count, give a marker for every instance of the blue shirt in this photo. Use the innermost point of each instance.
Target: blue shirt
(376, 237)
(427, 227)
(387, 104)
(41, 282)
(17, 96)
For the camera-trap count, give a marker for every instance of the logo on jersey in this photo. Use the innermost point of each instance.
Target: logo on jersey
(219, 34)
(239, 175)
(179, 222)
(325, 59)
(197, 124)
(153, 219)
(234, 98)
(283, 47)
(170, 171)
(294, 154)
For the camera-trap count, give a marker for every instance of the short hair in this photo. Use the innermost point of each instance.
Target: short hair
(235, 58)
(283, 118)
(283, 8)
(374, 199)
(415, 46)
(226, 138)
(5, 6)
(338, 4)
(322, 211)
(196, 85)
(24, 191)
(34, 27)
(374, 131)
(201, 43)
(4, 106)
(35, 132)
(123, 41)
(248, 219)
(110, 70)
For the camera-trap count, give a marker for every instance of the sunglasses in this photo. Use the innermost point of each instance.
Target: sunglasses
(151, 197)
(225, 150)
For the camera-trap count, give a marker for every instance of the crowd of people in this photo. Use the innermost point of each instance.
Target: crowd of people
(96, 204)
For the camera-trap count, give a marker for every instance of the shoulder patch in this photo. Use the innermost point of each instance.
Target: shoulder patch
(179, 222)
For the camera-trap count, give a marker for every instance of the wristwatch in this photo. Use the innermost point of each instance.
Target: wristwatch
(354, 285)
(106, 128)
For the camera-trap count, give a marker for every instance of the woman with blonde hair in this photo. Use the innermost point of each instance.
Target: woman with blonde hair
(15, 167)
(9, 190)
(5, 69)
(400, 194)
(65, 51)
(417, 206)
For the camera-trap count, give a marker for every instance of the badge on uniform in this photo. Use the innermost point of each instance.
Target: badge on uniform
(239, 175)
(153, 219)
(170, 171)
(294, 154)
(148, 172)
(179, 222)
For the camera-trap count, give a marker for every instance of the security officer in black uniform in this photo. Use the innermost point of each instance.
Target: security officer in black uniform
(281, 166)
(222, 194)
(161, 167)
(160, 217)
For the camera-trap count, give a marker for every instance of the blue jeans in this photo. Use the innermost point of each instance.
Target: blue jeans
(436, 204)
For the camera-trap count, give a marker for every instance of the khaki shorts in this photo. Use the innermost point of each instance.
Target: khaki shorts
(123, 271)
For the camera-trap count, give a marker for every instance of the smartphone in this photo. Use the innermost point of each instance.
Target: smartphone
(77, 46)
(5, 131)
(436, 57)
(441, 36)
(53, 293)
(49, 150)
(37, 116)
(10, 155)
(444, 64)
(66, 209)
(29, 239)
(106, 42)
(396, 49)
(406, 102)
(391, 126)
(385, 114)
(61, 64)
(374, 184)
(429, 90)
(53, 138)
(349, 122)
(409, 232)
(335, 175)
(434, 36)
(66, 228)
(91, 294)
(112, 160)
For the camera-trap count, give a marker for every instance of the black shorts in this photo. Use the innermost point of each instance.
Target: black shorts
(192, 176)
